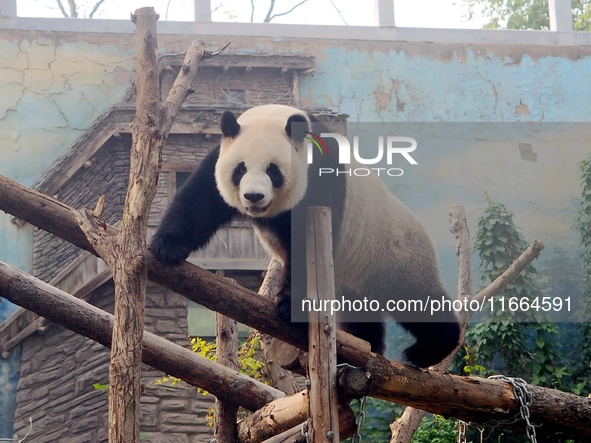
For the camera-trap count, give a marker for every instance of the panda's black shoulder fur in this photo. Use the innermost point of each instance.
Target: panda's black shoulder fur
(194, 216)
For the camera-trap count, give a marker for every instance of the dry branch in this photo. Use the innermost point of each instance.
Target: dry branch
(198, 285)
(444, 394)
(124, 252)
(405, 426)
(531, 253)
(279, 377)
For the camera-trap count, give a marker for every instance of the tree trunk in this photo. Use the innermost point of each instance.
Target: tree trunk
(124, 253)
(322, 362)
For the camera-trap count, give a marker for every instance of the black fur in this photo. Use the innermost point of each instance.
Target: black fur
(229, 126)
(275, 175)
(295, 127)
(238, 173)
(194, 216)
(198, 211)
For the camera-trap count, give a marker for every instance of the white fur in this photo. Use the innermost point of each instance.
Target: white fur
(262, 140)
(383, 245)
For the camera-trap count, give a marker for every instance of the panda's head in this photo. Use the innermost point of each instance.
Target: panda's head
(262, 169)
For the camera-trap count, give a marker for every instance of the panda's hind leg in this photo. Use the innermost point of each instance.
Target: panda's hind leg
(372, 332)
(434, 341)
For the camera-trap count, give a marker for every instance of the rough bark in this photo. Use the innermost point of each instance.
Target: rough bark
(198, 285)
(279, 377)
(322, 354)
(226, 354)
(124, 252)
(284, 414)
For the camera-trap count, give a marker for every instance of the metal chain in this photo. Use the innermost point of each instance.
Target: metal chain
(359, 420)
(305, 432)
(306, 424)
(462, 425)
(525, 397)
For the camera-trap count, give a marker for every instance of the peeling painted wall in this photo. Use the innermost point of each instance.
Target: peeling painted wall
(52, 87)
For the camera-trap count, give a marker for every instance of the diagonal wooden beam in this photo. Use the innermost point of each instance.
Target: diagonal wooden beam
(196, 284)
(469, 398)
(96, 324)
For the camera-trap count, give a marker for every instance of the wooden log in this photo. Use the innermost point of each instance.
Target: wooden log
(89, 321)
(352, 382)
(124, 252)
(322, 353)
(347, 428)
(283, 416)
(273, 349)
(226, 413)
(196, 284)
(479, 400)
(276, 417)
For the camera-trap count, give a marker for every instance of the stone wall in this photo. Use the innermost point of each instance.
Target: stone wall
(106, 173)
(59, 369)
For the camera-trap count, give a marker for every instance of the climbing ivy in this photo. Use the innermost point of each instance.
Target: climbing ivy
(583, 227)
(517, 343)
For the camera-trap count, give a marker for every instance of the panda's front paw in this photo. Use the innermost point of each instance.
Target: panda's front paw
(168, 250)
(283, 305)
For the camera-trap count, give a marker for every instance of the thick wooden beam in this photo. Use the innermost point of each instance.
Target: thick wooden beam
(225, 415)
(96, 324)
(282, 415)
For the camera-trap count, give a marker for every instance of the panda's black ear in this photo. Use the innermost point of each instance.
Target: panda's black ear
(229, 125)
(296, 127)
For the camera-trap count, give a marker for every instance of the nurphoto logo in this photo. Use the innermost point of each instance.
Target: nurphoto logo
(394, 146)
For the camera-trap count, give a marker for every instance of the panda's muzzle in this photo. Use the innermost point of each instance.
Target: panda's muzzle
(257, 203)
(254, 197)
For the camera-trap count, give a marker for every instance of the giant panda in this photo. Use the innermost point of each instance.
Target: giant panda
(260, 173)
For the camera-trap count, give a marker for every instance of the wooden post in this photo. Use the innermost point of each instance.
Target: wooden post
(322, 348)
(226, 354)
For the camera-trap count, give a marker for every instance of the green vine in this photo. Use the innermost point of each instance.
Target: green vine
(519, 343)
(583, 227)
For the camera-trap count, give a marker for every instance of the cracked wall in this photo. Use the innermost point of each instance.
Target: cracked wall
(52, 88)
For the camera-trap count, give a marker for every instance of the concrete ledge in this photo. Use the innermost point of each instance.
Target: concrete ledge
(278, 30)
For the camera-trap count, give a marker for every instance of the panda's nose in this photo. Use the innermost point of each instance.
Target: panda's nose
(254, 197)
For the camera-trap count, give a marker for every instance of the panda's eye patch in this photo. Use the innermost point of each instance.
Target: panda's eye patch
(275, 175)
(238, 173)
